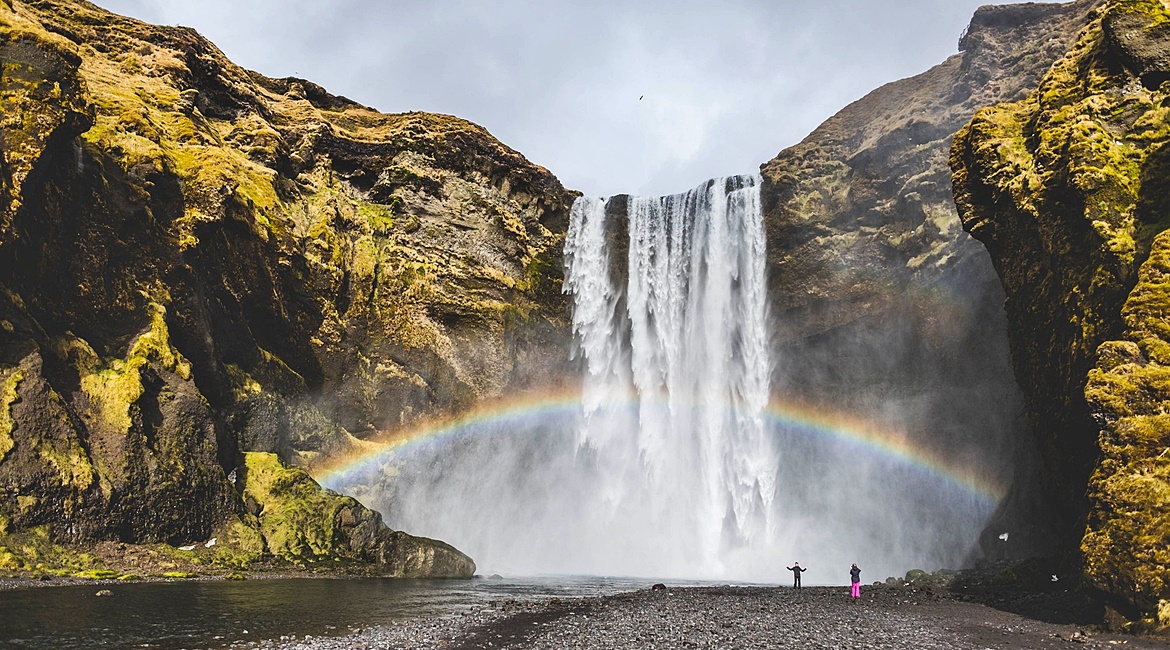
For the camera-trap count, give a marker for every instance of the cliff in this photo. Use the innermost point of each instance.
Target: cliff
(1066, 189)
(882, 301)
(199, 264)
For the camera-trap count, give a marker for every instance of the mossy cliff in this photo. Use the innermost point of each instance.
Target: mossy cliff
(1067, 190)
(883, 302)
(197, 261)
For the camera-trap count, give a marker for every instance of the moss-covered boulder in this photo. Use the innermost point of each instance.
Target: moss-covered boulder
(1066, 189)
(304, 524)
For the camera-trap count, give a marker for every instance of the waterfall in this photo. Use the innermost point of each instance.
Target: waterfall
(668, 463)
(676, 369)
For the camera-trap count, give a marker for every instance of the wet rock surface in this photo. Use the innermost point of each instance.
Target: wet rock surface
(732, 617)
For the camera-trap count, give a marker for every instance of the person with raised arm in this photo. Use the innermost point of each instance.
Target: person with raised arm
(796, 570)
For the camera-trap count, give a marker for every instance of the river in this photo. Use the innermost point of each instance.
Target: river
(214, 614)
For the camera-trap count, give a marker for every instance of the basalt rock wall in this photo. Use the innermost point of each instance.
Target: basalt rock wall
(198, 262)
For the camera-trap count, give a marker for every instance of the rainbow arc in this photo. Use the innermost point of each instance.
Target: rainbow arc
(521, 412)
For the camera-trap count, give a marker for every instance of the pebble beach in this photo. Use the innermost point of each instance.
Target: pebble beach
(731, 617)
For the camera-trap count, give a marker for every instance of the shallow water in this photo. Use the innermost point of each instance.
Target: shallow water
(214, 614)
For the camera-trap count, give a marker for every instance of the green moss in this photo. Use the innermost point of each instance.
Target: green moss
(9, 383)
(379, 217)
(96, 574)
(543, 273)
(511, 223)
(113, 387)
(297, 518)
(10, 561)
(111, 392)
(180, 574)
(1126, 546)
(1052, 184)
(207, 169)
(32, 550)
(366, 260)
(243, 385)
(71, 462)
(239, 543)
(137, 118)
(1153, 9)
(31, 108)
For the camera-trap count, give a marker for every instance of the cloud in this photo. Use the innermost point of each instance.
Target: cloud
(723, 86)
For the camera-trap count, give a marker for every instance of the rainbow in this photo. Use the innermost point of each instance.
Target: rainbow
(522, 408)
(888, 442)
(796, 417)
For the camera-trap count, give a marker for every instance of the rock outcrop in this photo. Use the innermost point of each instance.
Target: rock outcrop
(1067, 190)
(197, 261)
(880, 297)
(302, 524)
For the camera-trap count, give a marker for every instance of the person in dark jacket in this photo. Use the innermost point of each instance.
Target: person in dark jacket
(855, 581)
(796, 571)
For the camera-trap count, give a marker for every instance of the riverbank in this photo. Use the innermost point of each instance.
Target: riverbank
(105, 563)
(732, 617)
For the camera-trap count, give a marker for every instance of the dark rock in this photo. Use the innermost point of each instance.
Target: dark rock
(874, 286)
(1061, 189)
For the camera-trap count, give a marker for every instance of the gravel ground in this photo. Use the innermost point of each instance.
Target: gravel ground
(731, 617)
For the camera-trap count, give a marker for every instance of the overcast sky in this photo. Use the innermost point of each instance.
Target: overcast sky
(724, 85)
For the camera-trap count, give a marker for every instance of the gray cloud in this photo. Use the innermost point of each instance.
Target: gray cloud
(724, 85)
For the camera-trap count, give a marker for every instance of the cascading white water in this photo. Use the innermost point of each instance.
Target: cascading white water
(690, 471)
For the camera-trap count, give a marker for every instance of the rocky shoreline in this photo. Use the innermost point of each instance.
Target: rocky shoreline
(103, 564)
(731, 617)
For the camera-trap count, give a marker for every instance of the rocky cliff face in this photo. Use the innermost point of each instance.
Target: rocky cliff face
(1066, 189)
(880, 298)
(197, 262)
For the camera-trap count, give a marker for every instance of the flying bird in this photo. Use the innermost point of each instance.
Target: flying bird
(1004, 537)
(640, 97)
